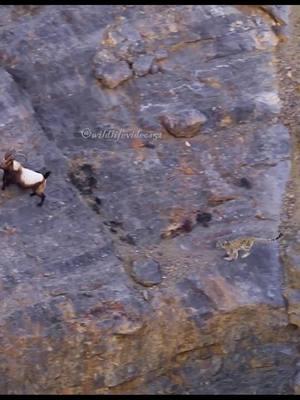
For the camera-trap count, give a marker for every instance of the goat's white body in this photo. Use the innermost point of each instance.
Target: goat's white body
(28, 177)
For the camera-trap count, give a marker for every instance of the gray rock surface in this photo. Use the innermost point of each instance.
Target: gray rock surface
(73, 321)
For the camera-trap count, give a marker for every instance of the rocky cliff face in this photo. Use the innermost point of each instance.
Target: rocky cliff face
(162, 128)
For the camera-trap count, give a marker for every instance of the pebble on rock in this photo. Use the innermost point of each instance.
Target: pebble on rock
(146, 272)
(183, 123)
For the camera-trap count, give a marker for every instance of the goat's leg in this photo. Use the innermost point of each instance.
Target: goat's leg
(39, 191)
(42, 196)
(32, 194)
(4, 181)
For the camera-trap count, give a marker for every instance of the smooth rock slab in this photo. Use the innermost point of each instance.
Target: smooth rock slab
(112, 74)
(146, 272)
(184, 123)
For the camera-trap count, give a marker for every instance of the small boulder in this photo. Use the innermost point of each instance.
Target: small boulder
(183, 123)
(112, 74)
(146, 272)
(142, 65)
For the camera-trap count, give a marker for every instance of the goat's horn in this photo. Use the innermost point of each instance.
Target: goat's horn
(8, 154)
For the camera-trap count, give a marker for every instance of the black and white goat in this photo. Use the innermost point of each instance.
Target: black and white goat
(15, 173)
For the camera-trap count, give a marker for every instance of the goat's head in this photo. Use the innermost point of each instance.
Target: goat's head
(9, 158)
(7, 161)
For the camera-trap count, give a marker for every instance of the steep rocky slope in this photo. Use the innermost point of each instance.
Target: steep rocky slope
(115, 284)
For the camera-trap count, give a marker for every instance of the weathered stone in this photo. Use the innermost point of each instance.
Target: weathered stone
(147, 273)
(142, 65)
(112, 74)
(102, 57)
(277, 12)
(293, 300)
(297, 384)
(183, 123)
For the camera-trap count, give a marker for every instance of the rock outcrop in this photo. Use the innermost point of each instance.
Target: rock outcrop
(148, 117)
